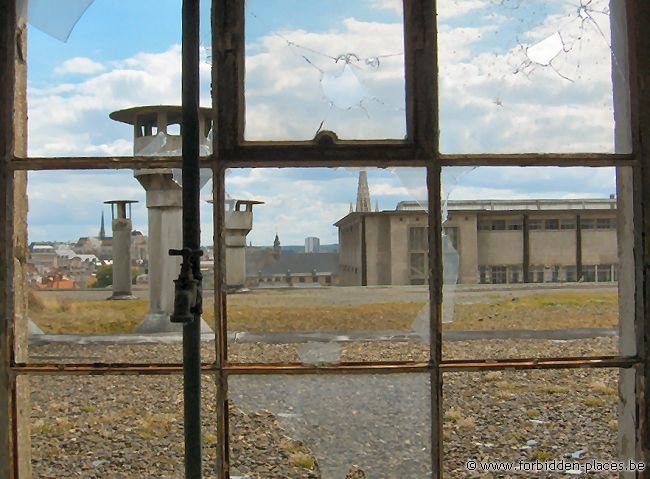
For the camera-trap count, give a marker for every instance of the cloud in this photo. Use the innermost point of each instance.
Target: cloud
(79, 65)
(491, 101)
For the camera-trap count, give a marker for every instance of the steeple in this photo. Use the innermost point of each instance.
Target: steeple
(363, 192)
(277, 250)
(102, 230)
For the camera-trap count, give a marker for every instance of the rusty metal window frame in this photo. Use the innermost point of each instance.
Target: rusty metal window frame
(419, 149)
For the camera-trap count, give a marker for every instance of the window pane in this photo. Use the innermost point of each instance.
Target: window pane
(564, 301)
(328, 426)
(74, 86)
(330, 266)
(83, 252)
(324, 65)
(529, 418)
(114, 426)
(528, 76)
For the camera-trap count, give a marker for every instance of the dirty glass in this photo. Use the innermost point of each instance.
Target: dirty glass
(324, 65)
(100, 279)
(565, 221)
(530, 76)
(566, 419)
(120, 426)
(90, 58)
(329, 265)
(331, 426)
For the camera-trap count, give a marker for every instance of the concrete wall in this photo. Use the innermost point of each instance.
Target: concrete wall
(350, 254)
(467, 246)
(378, 249)
(503, 248)
(553, 247)
(599, 247)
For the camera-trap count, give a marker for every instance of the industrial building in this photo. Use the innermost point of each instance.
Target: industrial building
(494, 241)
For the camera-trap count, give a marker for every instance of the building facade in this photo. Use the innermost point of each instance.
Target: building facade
(485, 241)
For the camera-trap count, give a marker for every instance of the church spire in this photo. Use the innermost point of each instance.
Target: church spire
(363, 192)
(102, 230)
(277, 249)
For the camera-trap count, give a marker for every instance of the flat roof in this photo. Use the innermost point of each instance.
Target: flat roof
(516, 205)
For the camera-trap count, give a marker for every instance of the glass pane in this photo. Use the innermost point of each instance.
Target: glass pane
(114, 426)
(319, 266)
(530, 422)
(83, 252)
(74, 86)
(324, 65)
(533, 76)
(328, 426)
(561, 224)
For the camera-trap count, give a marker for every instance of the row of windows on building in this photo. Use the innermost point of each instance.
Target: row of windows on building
(548, 224)
(598, 273)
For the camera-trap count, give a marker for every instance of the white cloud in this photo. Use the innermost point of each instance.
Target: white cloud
(79, 65)
(485, 107)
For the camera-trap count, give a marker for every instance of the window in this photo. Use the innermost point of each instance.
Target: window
(604, 223)
(570, 274)
(498, 225)
(418, 238)
(589, 273)
(514, 225)
(498, 275)
(552, 224)
(426, 131)
(604, 273)
(567, 224)
(536, 274)
(588, 224)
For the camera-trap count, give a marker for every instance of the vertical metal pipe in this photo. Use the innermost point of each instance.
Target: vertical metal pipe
(191, 235)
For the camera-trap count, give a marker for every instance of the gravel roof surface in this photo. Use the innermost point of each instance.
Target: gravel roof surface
(325, 426)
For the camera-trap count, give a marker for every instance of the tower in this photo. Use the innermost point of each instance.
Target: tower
(102, 230)
(277, 249)
(363, 193)
(121, 224)
(153, 136)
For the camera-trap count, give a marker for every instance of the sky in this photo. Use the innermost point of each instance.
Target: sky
(515, 76)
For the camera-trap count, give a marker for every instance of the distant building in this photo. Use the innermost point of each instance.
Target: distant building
(273, 267)
(312, 244)
(495, 241)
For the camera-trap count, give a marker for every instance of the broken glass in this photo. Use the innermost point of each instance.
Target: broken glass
(58, 22)
(329, 425)
(533, 76)
(344, 74)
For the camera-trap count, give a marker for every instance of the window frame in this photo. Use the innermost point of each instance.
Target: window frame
(419, 149)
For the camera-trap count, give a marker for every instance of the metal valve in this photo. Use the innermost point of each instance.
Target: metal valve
(187, 288)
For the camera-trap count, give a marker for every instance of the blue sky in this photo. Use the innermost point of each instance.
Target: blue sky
(493, 96)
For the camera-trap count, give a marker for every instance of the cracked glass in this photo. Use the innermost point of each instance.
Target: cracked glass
(335, 66)
(530, 76)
